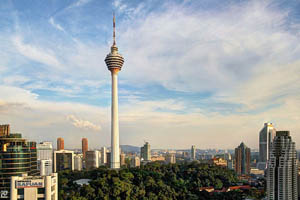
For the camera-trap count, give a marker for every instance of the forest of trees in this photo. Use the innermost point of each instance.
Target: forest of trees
(152, 181)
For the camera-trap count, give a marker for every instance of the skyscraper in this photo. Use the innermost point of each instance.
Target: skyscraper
(45, 167)
(17, 156)
(146, 152)
(103, 156)
(63, 160)
(193, 152)
(92, 159)
(266, 135)
(78, 162)
(242, 159)
(85, 146)
(60, 144)
(45, 157)
(4, 130)
(44, 151)
(114, 62)
(282, 168)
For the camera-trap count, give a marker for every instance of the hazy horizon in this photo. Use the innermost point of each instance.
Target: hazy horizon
(199, 73)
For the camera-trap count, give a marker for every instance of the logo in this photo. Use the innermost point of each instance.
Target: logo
(29, 184)
(3, 194)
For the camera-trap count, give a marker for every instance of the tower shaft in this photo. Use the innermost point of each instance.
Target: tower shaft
(115, 148)
(114, 62)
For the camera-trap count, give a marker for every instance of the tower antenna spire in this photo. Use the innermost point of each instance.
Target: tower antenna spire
(114, 26)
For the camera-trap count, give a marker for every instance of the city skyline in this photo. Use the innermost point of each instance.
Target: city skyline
(191, 71)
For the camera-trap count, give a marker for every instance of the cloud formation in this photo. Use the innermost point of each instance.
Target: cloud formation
(83, 124)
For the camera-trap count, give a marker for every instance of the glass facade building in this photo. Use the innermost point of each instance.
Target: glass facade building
(282, 168)
(17, 156)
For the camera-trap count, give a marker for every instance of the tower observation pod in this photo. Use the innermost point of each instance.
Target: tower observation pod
(114, 62)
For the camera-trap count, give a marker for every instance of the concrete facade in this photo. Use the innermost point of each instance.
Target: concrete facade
(34, 187)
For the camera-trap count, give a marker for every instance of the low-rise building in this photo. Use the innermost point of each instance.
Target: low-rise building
(135, 161)
(219, 162)
(158, 158)
(170, 158)
(34, 187)
(122, 159)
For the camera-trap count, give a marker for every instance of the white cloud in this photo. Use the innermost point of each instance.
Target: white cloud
(81, 2)
(34, 53)
(83, 124)
(119, 5)
(204, 51)
(55, 25)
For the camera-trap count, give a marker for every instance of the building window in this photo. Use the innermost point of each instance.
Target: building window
(21, 191)
(41, 190)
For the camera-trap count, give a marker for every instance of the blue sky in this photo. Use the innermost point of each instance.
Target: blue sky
(207, 73)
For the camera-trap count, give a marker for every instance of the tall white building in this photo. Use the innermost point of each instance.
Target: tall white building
(45, 158)
(45, 167)
(266, 136)
(114, 62)
(193, 152)
(78, 162)
(103, 156)
(282, 168)
(44, 151)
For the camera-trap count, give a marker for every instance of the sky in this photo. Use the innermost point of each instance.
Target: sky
(208, 73)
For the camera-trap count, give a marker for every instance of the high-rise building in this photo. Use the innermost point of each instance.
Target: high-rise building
(45, 158)
(4, 130)
(193, 153)
(85, 146)
(242, 159)
(108, 157)
(114, 62)
(122, 159)
(45, 167)
(146, 152)
(78, 162)
(135, 162)
(298, 185)
(44, 151)
(282, 168)
(170, 158)
(103, 156)
(34, 187)
(17, 156)
(230, 164)
(92, 160)
(63, 160)
(60, 144)
(266, 136)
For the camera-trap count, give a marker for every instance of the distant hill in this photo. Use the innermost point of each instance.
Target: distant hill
(130, 148)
